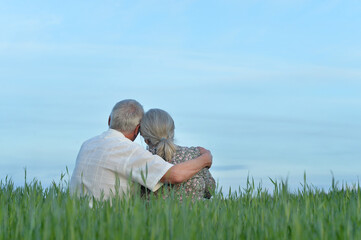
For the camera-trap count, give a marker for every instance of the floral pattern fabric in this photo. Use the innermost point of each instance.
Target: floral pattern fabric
(200, 186)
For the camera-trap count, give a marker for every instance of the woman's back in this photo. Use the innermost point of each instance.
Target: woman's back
(157, 129)
(200, 186)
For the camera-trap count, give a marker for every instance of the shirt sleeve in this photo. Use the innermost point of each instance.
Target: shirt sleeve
(142, 167)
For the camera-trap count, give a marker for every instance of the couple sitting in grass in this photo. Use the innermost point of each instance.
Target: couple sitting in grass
(106, 163)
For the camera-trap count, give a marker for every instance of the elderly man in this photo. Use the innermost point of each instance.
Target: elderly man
(106, 163)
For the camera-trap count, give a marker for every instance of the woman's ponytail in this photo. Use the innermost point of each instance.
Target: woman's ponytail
(166, 149)
(157, 128)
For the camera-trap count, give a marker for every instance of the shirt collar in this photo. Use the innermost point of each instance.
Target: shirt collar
(113, 132)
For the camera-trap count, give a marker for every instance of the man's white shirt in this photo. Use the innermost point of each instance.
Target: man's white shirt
(107, 163)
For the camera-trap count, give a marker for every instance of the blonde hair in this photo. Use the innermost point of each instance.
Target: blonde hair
(157, 128)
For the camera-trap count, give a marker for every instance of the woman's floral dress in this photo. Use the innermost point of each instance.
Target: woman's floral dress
(200, 186)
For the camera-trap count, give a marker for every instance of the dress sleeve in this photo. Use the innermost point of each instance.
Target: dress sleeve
(210, 183)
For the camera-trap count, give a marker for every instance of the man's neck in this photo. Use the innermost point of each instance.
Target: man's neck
(130, 136)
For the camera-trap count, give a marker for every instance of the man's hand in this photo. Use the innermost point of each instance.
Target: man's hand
(207, 154)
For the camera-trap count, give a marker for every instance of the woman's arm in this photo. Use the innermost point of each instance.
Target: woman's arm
(208, 179)
(210, 184)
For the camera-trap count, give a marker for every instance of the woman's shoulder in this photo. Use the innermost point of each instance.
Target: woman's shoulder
(185, 153)
(182, 149)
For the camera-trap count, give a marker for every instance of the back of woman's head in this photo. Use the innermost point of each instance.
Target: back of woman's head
(157, 128)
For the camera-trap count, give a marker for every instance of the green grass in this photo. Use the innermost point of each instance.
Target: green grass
(34, 212)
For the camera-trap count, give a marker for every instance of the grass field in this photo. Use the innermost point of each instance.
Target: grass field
(34, 212)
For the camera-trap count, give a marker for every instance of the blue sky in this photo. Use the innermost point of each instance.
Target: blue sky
(258, 82)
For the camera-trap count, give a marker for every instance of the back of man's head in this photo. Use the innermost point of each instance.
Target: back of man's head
(126, 115)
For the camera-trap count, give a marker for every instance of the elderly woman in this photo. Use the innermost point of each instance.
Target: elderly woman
(157, 129)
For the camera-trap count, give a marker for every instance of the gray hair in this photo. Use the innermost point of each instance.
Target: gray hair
(126, 115)
(157, 127)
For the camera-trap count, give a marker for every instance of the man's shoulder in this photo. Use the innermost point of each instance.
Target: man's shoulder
(112, 141)
(108, 135)
(93, 139)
